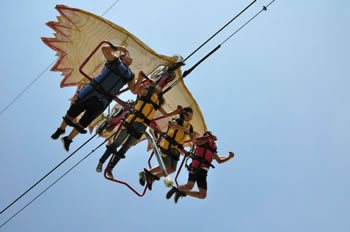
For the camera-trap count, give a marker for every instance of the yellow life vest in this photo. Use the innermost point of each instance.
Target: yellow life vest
(175, 138)
(146, 107)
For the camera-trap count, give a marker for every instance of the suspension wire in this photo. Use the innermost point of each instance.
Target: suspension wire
(110, 8)
(42, 73)
(263, 9)
(25, 89)
(220, 29)
(187, 72)
(29, 189)
(47, 174)
(57, 180)
(183, 76)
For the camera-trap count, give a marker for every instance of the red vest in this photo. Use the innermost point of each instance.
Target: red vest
(203, 155)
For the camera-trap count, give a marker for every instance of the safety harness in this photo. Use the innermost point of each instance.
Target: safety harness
(113, 67)
(173, 138)
(144, 110)
(203, 157)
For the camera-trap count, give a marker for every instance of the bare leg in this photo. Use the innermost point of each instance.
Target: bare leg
(157, 171)
(63, 125)
(201, 194)
(72, 134)
(186, 187)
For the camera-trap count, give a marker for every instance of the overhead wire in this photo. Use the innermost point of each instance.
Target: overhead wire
(47, 174)
(222, 28)
(264, 8)
(57, 180)
(29, 189)
(184, 75)
(188, 71)
(42, 73)
(26, 88)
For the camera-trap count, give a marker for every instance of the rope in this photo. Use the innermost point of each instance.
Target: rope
(263, 9)
(13, 202)
(37, 78)
(42, 192)
(221, 29)
(187, 72)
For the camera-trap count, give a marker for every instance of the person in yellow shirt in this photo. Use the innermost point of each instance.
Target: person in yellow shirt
(171, 146)
(149, 101)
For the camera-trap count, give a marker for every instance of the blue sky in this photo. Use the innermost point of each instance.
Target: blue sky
(276, 94)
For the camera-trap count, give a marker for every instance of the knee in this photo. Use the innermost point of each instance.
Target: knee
(190, 185)
(202, 194)
(170, 170)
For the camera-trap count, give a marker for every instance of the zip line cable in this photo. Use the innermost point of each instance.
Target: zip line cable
(47, 174)
(217, 32)
(69, 155)
(263, 9)
(229, 22)
(28, 86)
(69, 170)
(183, 76)
(42, 73)
(187, 72)
(236, 16)
(110, 8)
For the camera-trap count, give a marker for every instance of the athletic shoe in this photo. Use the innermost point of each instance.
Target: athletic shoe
(99, 167)
(66, 142)
(178, 194)
(57, 133)
(171, 192)
(142, 178)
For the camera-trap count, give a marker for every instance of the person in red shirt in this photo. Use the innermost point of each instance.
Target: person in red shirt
(203, 156)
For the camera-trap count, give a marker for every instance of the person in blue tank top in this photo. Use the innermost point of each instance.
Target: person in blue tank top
(95, 97)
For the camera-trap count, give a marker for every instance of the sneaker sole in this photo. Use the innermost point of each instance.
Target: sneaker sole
(64, 147)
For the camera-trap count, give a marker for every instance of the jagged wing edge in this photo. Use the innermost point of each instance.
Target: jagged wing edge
(64, 23)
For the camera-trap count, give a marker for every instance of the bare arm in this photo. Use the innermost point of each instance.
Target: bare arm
(121, 102)
(108, 51)
(193, 136)
(135, 87)
(201, 140)
(223, 159)
(172, 113)
(179, 127)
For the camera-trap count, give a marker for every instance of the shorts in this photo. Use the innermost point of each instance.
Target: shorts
(170, 157)
(200, 177)
(92, 106)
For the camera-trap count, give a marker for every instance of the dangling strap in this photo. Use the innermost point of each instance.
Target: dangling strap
(69, 122)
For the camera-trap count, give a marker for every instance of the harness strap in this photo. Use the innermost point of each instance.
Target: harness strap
(146, 99)
(138, 114)
(113, 68)
(172, 141)
(97, 86)
(72, 124)
(202, 160)
(169, 153)
(131, 130)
